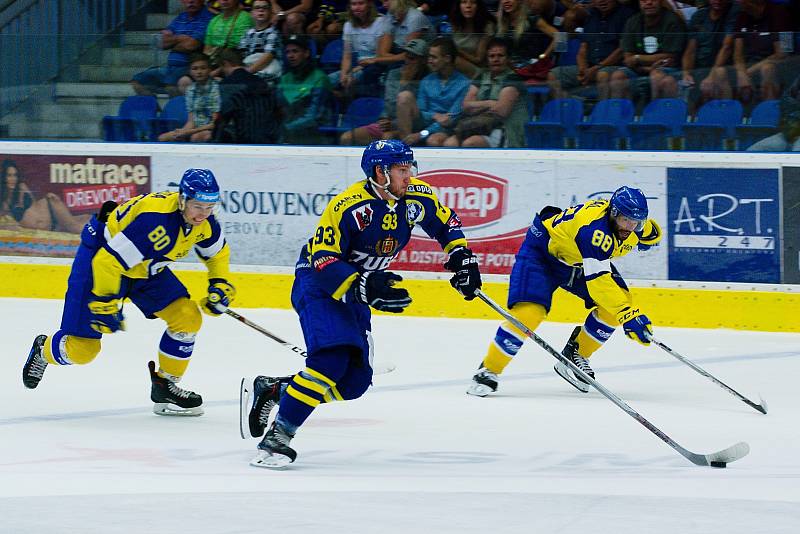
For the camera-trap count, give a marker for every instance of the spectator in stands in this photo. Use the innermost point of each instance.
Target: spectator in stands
(494, 110)
(438, 100)
(599, 53)
(531, 39)
(202, 104)
(709, 50)
(304, 92)
(653, 41)
(292, 16)
(472, 26)
(788, 139)
(330, 21)
(403, 23)
(406, 78)
(435, 10)
(362, 32)
(249, 111)
(18, 203)
(757, 49)
(226, 29)
(261, 46)
(183, 36)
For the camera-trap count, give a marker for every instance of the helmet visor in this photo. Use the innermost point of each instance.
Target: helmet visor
(629, 224)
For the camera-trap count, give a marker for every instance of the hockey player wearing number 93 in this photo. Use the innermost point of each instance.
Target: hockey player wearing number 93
(124, 254)
(340, 275)
(572, 249)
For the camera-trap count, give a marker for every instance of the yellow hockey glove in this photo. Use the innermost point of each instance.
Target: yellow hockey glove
(650, 235)
(106, 315)
(220, 295)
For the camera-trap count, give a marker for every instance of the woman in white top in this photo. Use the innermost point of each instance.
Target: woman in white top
(403, 23)
(362, 32)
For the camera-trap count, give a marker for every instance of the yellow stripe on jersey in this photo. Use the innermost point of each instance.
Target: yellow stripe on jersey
(302, 397)
(345, 286)
(320, 376)
(308, 384)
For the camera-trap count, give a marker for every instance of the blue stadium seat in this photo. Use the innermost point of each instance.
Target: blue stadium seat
(557, 123)
(716, 121)
(130, 123)
(361, 111)
(606, 126)
(763, 123)
(662, 118)
(174, 115)
(331, 58)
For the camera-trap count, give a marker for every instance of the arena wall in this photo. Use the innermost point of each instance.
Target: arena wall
(729, 258)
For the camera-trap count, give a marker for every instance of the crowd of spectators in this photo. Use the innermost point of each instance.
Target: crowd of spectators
(459, 72)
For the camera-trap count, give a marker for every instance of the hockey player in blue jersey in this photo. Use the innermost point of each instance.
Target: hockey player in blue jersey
(124, 254)
(572, 249)
(340, 275)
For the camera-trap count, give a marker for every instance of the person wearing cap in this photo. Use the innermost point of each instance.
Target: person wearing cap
(438, 100)
(406, 78)
(304, 92)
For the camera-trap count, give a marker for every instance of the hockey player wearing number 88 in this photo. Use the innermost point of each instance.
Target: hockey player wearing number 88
(340, 275)
(124, 254)
(572, 249)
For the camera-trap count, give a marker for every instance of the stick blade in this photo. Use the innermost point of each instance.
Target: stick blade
(731, 454)
(763, 406)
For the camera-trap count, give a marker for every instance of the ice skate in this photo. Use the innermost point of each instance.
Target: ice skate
(257, 398)
(170, 399)
(274, 451)
(571, 351)
(483, 383)
(33, 371)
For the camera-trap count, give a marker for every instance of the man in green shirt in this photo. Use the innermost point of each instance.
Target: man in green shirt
(227, 28)
(304, 92)
(653, 41)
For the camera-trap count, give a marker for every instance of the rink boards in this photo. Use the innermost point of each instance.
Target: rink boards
(679, 304)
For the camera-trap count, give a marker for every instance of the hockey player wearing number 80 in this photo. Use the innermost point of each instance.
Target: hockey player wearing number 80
(340, 275)
(124, 253)
(572, 249)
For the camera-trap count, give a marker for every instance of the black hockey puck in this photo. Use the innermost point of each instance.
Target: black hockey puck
(718, 464)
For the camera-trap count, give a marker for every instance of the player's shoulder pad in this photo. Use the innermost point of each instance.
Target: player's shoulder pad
(352, 196)
(161, 202)
(596, 236)
(417, 187)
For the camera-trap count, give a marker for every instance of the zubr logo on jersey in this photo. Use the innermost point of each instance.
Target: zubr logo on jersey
(477, 197)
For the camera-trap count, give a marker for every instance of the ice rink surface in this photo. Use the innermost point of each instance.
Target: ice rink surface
(84, 452)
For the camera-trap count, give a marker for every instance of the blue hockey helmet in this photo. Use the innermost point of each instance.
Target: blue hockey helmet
(631, 203)
(386, 152)
(200, 185)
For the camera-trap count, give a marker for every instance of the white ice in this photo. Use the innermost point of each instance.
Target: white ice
(84, 453)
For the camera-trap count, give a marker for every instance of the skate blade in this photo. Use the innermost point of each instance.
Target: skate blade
(166, 408)
(269, 460)
(479, 390)
(562, 371)
(245, 397)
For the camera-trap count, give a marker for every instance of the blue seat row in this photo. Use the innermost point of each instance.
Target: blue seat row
(138, 119)
(611, 125)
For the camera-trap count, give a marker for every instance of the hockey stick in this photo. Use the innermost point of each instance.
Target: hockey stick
(378, 370)
(760, 407)
(715, 459)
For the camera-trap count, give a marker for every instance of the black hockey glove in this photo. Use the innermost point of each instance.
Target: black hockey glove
(374, 288)
(467, 277)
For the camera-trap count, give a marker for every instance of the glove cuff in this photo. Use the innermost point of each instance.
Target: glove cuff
(628, 314)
